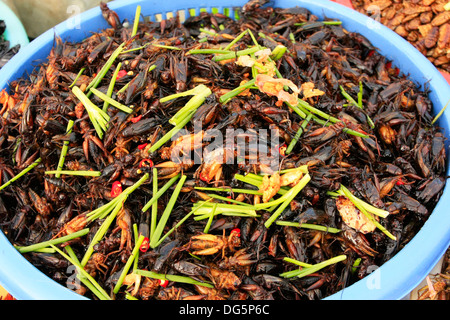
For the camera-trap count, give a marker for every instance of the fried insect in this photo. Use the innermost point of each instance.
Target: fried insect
(208, 244)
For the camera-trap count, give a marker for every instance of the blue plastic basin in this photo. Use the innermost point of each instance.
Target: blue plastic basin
(394, 280)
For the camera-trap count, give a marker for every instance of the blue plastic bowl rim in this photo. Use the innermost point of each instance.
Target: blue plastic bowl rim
(394, 279)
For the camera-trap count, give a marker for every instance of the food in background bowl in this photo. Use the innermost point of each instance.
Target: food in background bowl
(425, 24)
(6, 51)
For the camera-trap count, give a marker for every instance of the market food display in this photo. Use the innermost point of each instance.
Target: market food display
(6, 51)
(425, 24)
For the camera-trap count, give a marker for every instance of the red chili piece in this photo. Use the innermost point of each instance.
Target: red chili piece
(145, 245)
(146, 163)
(237, 230)
(163, 283)
(282, 149)
(116, 189)
(136, 119)
(142, 146)
(204, 177)
(121, 74)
